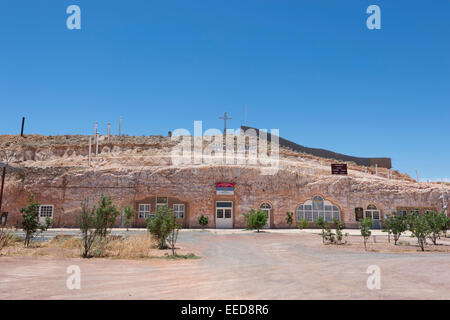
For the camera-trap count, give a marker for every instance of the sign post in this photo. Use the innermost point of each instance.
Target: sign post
(339, 168)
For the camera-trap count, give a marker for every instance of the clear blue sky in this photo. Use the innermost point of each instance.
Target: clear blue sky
(310, 68)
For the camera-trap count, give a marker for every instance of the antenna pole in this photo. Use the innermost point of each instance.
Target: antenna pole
(23, 124)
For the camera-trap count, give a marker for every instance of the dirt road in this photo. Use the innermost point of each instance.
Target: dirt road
(235, 266)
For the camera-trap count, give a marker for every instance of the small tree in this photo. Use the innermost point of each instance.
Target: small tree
(395, 225)
(340, 225)
(86, 222)
(161, 226)
(419, 227)
(175, 227)
(436, 223)
(44, 226)
(302, 223)
(289, 218)
(365, 225)
(386, 228)
(321, 223)
(445, 223)
(105, 215)
(203, 221)
(129, 213)
(255, 219)
(30, 219)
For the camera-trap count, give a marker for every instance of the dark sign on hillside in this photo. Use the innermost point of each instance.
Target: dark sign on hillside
(340, 168)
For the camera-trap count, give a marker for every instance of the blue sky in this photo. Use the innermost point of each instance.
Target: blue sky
(310, 68)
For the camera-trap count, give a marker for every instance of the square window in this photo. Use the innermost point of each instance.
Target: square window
(144, 211)
(46, 211)
(376, 215)
(178, 210)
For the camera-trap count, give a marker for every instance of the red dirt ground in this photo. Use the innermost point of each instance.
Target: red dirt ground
(239, 265)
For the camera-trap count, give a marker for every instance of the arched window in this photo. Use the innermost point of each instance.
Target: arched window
(311, 210)
(266, 207)
(372, 212)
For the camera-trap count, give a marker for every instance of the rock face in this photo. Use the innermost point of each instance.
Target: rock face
(140, 170)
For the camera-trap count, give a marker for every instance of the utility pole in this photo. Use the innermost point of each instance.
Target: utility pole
(3, 184)
(96, 139)
(96, 145)
(90, 150)
(120, 127)
(109, 130)
(417, 175)
(23, 124)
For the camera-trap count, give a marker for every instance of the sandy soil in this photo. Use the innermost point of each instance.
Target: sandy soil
(240, 265)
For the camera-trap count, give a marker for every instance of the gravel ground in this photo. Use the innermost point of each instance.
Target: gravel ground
(237, 265)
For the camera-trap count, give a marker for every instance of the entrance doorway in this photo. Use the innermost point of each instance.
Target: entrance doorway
(266, 207)
(373, 213)
(224, 214)
(359, 214)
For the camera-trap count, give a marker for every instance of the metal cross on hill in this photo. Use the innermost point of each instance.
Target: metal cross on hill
(225, 118)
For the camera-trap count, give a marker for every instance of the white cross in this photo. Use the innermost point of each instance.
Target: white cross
(225, 118)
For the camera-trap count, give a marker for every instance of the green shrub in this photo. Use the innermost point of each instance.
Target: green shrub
(163, 227)
(86, 222)
(365, 225)
(255, 219)
(105, 215)
(419, 227)
(30, 219)
(446, 224)
(289, 218)
(94, 224)
(437, 223)
(396, 225)
(321, 223)
(129, 213)
(339, 225)
(302, 223)
(203, 220)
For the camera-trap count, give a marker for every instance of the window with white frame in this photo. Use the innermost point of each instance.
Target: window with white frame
(46, 211)
(144, 210)
(178, 210)
(372, 212)
(317, 207)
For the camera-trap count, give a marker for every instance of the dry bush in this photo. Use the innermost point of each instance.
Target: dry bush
(5, 237)
(136, 246)
(65, 242)
(115, 246)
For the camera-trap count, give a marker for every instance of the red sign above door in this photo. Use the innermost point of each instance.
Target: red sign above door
(224, 185)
